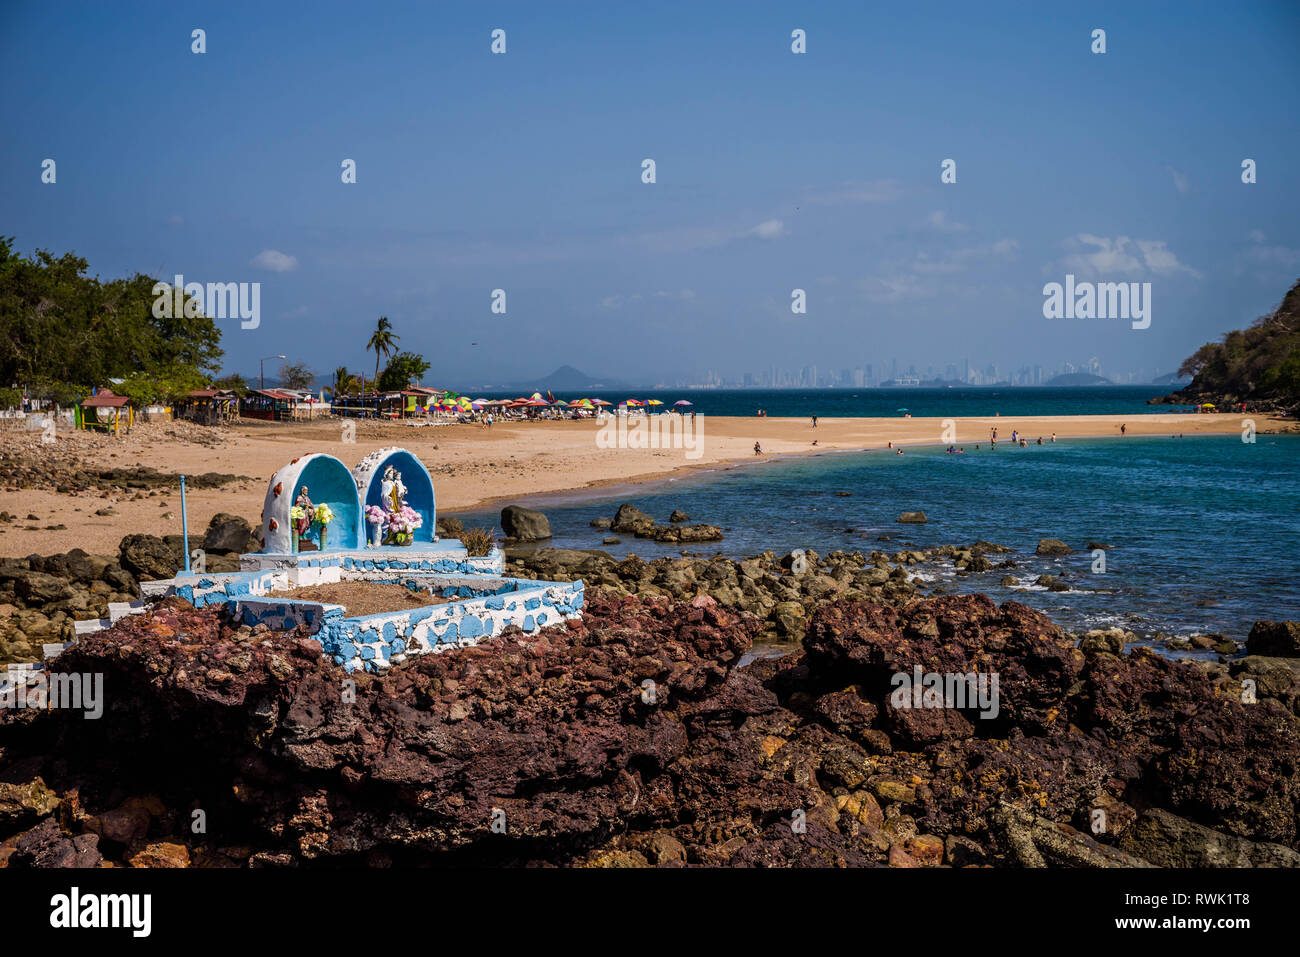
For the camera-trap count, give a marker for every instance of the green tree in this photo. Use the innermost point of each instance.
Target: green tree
(402, 369)
(63, 332)
(232, 383)
(296, 375)
(382, 340)
(345, 382)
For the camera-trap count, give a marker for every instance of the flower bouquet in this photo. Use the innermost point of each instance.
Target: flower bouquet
(402, 525)
(296, 514)
(324, 515)
(377, 518)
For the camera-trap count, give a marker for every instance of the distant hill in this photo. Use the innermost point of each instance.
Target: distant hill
(1078, 378)
(1259, 365)
(1173, 378)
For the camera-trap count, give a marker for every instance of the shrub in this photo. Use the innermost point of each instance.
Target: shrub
(478, 541)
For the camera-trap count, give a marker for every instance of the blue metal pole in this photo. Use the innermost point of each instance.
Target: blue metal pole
(185, 529)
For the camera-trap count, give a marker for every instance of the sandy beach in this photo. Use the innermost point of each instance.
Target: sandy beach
(471, 464)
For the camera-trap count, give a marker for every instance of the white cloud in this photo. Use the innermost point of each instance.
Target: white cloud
(939, 220)
(685, 295)
(921, 276)
(1100, 256)
(1257, 235)
(1182, 182)
(618, 301)
(768, 229)
(273, 260)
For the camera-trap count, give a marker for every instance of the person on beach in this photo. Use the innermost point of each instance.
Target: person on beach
(1123, 428)
(1053, 437)
(891, 444)
(758, 449)
(1040, 440)
(1015, 436)
(814, 421)
(900, 451)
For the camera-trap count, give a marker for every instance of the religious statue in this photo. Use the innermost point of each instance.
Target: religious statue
(392, 489)
(400, 520)
(303, 501)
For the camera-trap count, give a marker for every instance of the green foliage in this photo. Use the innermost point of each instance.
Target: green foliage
(296, 375)
(402, 369)
(382, 340)
(1261, 362)
(166, 385)
(232, 383)
(11, 398)
(345, 382)
(62, 331)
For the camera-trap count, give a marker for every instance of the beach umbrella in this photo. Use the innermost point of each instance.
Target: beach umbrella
(683, 402)
(631, 402)
(653, 402)
(560, 402)
(600, 402)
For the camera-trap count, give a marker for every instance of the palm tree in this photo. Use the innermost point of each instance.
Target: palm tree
(344, 381)
(382, 341)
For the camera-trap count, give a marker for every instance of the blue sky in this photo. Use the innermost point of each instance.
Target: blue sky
(775, 171)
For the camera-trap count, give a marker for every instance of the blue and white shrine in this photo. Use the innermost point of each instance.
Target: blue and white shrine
(323, 523)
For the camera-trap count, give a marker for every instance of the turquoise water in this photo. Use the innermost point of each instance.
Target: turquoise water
(832, 403)
(1204, 529)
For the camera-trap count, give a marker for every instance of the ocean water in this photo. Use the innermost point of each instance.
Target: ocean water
(833, 403)
(1205, 530)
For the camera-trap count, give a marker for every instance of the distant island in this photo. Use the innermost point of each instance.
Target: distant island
(1258, 366)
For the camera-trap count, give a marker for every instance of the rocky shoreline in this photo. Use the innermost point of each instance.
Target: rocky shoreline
(632, 738)
(648, 733)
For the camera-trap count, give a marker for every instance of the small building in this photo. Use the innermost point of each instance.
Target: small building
(106, 411)
(208, 407)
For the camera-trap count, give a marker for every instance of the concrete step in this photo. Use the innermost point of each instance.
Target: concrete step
(53, 649)
(118, 610)
(90, 626)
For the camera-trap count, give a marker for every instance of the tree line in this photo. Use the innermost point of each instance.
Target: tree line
(64, 332)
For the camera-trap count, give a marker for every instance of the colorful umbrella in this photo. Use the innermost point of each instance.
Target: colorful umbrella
(653, 402)
(683, 402)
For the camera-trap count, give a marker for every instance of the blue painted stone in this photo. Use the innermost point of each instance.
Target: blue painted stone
(532, 603)
(529, 624)
(399, 646)
(541, 618)
(470, 627)
(495, 602)
(367, 652)
(347, 649)
(390, 632)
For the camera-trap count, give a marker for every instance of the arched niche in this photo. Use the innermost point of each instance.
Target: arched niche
(369, 476)
(329, 483)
